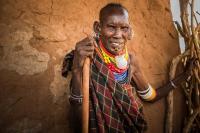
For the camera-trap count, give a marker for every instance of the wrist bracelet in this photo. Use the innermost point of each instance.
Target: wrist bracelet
(172, 84)
(148, 94)
(76, 96)
(75, 99)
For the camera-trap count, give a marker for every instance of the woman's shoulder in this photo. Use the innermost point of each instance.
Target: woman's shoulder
(133, 59)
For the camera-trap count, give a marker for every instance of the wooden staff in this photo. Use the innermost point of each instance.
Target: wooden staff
(85, 105)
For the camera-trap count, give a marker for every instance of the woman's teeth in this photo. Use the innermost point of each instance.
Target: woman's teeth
(116, 49)
(115, 43)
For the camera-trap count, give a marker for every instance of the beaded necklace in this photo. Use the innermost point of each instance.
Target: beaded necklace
(118, 63)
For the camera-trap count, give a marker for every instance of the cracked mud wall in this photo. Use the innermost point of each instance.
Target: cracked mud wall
(35, 36)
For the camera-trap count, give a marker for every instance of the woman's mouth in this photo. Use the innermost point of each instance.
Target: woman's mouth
(116, 46)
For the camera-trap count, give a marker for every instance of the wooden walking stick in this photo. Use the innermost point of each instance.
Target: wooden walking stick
(85, 105)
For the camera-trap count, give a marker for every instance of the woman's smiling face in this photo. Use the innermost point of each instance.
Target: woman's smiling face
(115, 31)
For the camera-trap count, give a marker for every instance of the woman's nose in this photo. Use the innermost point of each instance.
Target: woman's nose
(118, 33)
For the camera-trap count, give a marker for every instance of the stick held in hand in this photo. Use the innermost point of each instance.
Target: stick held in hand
(85, 106)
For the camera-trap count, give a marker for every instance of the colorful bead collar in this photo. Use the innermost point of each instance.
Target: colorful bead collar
(119, 63)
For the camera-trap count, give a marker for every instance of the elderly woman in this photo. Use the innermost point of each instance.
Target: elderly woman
(115, 76)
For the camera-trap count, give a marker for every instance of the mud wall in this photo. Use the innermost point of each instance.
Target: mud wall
(35, 36)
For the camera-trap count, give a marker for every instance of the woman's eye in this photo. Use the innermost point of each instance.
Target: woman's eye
(124, 28)
(111, 27)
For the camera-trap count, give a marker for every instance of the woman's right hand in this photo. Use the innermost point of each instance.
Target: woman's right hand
(83, 49)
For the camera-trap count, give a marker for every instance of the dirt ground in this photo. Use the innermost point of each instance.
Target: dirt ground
(35, 36)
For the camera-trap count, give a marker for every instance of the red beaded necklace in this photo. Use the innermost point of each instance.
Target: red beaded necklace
(119, 63)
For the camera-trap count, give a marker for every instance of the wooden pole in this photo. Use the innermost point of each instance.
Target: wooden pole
(85, 105)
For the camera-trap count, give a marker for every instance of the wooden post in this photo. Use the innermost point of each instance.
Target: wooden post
(85, 105)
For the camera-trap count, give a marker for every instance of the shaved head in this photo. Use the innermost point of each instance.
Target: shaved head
(112, 8)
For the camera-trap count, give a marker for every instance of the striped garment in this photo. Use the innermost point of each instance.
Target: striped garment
(114, 108)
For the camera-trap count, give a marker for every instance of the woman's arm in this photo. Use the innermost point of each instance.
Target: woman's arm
(83, 49)
(144, 89)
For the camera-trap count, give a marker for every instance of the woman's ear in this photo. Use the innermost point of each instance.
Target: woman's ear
(96, 27)
(130, 33)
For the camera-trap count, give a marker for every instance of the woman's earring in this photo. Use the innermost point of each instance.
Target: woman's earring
(97, 35)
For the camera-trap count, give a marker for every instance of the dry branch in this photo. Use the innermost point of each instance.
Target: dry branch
(191, 35)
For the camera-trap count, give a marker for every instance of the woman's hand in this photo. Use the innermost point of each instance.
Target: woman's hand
(83, 49)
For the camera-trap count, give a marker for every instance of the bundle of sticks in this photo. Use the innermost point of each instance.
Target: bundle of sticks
(190, 31)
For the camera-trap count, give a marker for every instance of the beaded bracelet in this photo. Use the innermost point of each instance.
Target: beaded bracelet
(148, 94)
(74, 99)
